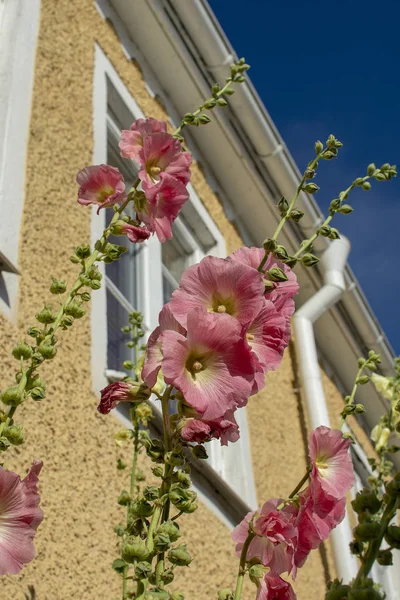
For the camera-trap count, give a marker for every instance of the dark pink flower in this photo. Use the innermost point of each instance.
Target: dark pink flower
(132, 139)
(221, 286)
(153, 357)
(332, 472)
(102, 185)
(225, 429)
(162, 153)
(164, 202)
(273, 587)
(121, 391)
(212, 367)
(312, 529)
(276, 539)
(135, 233)
(20, 517)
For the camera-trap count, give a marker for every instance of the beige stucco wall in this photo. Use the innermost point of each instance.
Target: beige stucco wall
(79, 483)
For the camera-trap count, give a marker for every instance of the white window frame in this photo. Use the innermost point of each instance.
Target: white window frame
(234, 463)
(19, 27)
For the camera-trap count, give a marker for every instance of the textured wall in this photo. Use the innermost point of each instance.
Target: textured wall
(79, 483)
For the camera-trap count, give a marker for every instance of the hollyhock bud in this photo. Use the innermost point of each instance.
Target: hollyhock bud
(102, 185)
(20, 517)
(12, 396)
(276, 537)
(332, 472)
(120, 391)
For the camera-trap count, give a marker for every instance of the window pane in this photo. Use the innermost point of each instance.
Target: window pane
(175, 260)
(117, 317)
(122, 273)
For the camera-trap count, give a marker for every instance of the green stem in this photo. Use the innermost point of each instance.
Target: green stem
(203, 107)
(159, 512)
(304, 247)
(286, 216)
(72, 293)
(374, 546)
(132, 491)
(242, 566)
(300, 484)
(352, 395)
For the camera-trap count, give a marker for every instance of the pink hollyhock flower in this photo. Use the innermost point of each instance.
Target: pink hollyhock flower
(164, 202)
(135, 233)
(102, 185)
(276, 539)
(20, 517)
(153, 357)
(161, 153)
(273, 587)
(225, 428)
(120, 391)
(268, 336)
(132, 139)
(312, 529)
(212, 367)
(219, 285)
(332, 472)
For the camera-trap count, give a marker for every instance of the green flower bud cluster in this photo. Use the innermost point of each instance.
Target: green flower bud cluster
(218, 93)
(182, 498)
(165, 535)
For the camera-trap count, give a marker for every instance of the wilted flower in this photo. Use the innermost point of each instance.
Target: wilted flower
(273, 587)
(164, 202)
(20, 517)
(135, 233)
(197, 430)
(102, 185)
(276, 537)
(120, 391)
(382, 385)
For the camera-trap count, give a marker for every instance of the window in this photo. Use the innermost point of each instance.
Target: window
(148, 273)
(19, 24)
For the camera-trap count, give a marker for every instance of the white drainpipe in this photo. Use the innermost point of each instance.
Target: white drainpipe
(333, 263)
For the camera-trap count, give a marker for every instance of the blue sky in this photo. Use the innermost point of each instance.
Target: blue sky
(334, 68)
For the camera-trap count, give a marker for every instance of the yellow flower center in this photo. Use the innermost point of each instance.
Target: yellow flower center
(104, 193)
(250, 337)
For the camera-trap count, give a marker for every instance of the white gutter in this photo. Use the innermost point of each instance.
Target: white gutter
(332, 264)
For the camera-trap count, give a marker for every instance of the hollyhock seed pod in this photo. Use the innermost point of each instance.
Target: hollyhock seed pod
(22, 351)
(180, 556)
(365, 532)
(13, 396)
(134, 549)
(14, 434)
